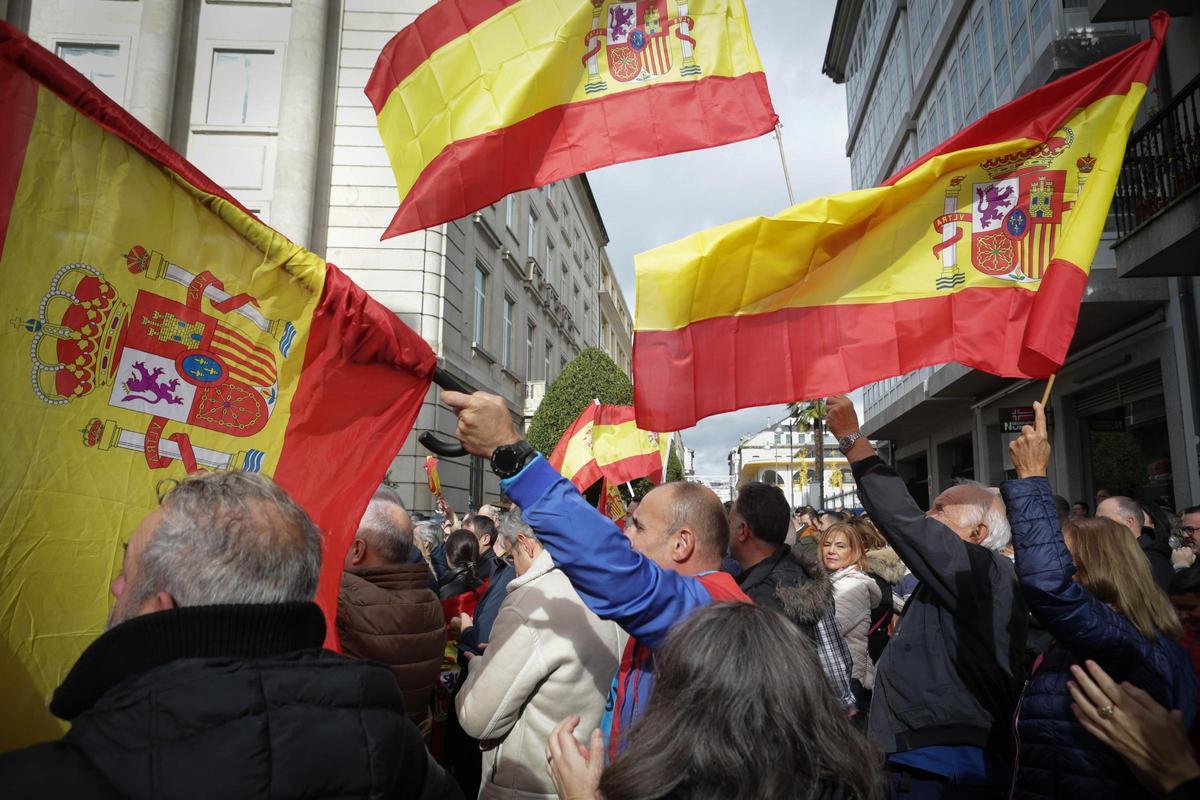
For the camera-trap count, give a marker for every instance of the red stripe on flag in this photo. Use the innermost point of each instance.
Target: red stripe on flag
(646, 465)
(726, 363)
(362, 361)
(1057, 101)
(574, 138)
(18, 98)
(432, 30)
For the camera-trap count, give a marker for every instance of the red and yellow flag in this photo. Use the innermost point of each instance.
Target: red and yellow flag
(153, 327)
(477, 99)
(605, 442)
(978, 253)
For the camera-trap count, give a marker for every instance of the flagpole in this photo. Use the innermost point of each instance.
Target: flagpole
(787, 177)
(1046, 394)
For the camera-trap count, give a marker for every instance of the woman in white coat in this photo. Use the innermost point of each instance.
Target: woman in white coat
(855, 593)
(548, 657)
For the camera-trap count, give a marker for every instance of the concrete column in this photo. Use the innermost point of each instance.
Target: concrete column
(300, 122)
(154, 65)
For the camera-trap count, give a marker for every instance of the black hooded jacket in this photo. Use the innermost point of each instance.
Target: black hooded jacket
(228, 702)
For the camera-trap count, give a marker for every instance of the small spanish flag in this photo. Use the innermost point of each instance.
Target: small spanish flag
(978, 252)
(477, 99)
(605, 442)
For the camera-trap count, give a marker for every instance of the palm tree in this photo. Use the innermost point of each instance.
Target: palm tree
(811, 415)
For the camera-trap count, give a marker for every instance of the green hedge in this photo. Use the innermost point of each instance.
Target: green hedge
(590, 375)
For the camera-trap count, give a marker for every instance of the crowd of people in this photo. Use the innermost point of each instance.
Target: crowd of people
(1002, 643)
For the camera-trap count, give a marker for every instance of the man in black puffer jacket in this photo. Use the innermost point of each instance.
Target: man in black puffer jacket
(784, 580)
(210, 680)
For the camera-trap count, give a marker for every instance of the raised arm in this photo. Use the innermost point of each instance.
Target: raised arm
(614, 580)
(1086, 626)
(934, 553)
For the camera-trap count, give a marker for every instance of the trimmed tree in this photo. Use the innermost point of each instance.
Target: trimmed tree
(674, 467)
(591, 375)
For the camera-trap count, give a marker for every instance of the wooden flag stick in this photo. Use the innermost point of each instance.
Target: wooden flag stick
(787, 177)
(1049, 387)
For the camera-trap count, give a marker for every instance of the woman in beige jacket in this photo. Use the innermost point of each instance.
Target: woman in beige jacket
(548, 657)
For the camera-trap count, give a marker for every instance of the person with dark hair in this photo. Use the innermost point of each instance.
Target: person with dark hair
(460, 588)
(1089, 588)
(1189, 525)
(484, 528)
(1062, 508)
(723, 724)
(1079, 510)
(386, 611)
(948, 682)
(776, 577)
(665, 567)
(210, 679)
(1153, 536)
(827, 518)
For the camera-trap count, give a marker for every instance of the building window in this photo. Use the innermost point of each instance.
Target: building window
(530, 337)
(550, 261)
(549, 360)
(575, 301)
(480, 301)
(509, 212)
(102, 64)
(243, 88)
(532, 243)
(510, 309)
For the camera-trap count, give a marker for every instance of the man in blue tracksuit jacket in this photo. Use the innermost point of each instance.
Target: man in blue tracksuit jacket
(664, 567)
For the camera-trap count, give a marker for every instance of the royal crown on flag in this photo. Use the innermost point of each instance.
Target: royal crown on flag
(79, 324)
(1041, 154)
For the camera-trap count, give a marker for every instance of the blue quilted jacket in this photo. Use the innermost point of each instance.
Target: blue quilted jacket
(1056, 756)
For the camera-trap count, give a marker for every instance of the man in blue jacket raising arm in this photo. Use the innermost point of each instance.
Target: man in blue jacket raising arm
(664, 567)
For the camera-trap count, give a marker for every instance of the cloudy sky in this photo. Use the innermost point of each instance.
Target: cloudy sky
(693, 191)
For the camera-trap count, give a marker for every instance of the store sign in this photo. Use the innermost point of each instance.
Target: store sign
(1012, 420)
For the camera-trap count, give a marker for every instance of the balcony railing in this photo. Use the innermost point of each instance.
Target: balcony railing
(1162, 161)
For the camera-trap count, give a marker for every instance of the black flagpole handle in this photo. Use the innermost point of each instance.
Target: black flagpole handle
(446, 448)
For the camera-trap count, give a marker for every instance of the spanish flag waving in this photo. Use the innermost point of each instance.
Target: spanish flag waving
(152, 327)
(605, 442)
(978, 252)
(477, 99)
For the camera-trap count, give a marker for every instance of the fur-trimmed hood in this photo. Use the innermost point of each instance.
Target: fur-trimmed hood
(808, 600)
(886, 564)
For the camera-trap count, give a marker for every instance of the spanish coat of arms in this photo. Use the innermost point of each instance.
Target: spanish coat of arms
(641, 40)
(1015, 215)
(171, 361)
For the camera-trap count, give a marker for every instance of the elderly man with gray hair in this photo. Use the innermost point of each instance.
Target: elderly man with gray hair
(210, 680)
(548, 657)
(949, 680)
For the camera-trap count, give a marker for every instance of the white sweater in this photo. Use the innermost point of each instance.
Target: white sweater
(548, 657)
(855, 593)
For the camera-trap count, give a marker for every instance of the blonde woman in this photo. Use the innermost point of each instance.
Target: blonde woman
(855, 593)
(1089, 585)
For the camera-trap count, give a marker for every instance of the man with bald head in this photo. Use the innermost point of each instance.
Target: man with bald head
(666, 566)
(949, 680)
(386, 610)
(1154, 543)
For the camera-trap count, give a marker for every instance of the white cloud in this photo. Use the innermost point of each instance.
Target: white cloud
(653, 202)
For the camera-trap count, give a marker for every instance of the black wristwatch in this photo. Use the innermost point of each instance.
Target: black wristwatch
(509, 459)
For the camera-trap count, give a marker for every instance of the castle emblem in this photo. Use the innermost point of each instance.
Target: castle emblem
(640, 40)
(1015, 215)
(172, 362)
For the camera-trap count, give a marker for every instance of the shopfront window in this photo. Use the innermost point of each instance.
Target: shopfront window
(1130, 451)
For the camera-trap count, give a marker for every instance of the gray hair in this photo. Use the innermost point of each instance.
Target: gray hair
(387, 527)
(428, 532)
(512, 525)
(231, 538)
(985, 507)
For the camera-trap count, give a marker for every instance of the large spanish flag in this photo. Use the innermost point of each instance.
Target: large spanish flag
(477, 99)
(605, 442)
(978, 252)
(152, 327)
